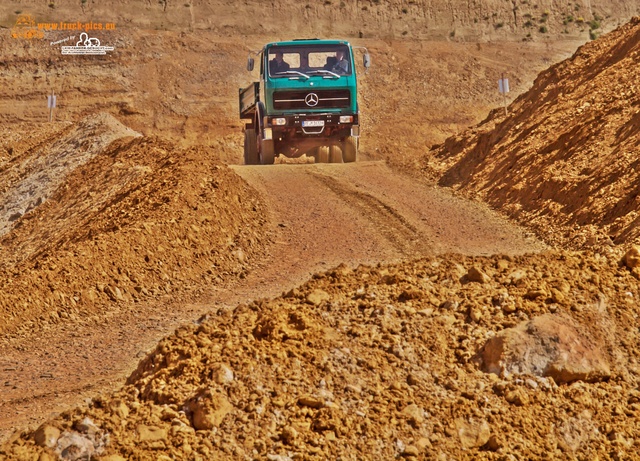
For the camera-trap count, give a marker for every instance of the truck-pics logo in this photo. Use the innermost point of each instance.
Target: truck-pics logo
(25, 27)
(87, 45)
(85, 26)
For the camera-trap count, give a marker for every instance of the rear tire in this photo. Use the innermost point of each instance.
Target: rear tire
(335, 154)
(323, 154)
(267, 151)
(350, 149)
(250, 147)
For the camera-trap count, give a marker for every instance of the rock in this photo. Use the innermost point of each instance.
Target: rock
(413, 380)
(476, 275)
(112, 293)
(310, 401)
(414, 414)
(501, 299)
(119, 295)
(240, 256)
(502, 265)
(536, 293)
(317, 297)
(549, 345)
(409, 294)
(112, 458)
(73, 446)
(272, 457)
(632, 257)
(564, 287)
(476, 313)
(46, 436)
(208, 409)
(169, 414)
(289, 435)
(44, 456)
(301, 425)
(355, 388)
(517, 397)
(151, 433)
(473, 434)
(518, 277)
(181, 429)
(223, 375)
(410, 450)
(450, 305)
(14, 216)
(86, 426)
(493, 444)
(505, 302)
(557, 296)
(423, 443)
(119, 409)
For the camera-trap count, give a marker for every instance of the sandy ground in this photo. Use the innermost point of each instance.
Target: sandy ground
(320, 216)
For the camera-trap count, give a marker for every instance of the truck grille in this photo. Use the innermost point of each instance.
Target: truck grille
(309, 99)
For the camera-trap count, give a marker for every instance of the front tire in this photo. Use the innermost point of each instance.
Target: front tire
(250, 147)
(350, 149)
(267, 151)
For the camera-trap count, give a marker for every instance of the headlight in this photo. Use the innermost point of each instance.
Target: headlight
(346, 119)
(278, 121)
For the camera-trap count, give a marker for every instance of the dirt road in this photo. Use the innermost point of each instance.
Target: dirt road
(367, 213)
(320, 216)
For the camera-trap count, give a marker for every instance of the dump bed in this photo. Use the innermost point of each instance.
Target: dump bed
(249, 97)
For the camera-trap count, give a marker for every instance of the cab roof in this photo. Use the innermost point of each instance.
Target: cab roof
(307, 41)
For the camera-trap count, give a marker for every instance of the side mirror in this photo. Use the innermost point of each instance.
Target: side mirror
(250, 64)
(366, 60)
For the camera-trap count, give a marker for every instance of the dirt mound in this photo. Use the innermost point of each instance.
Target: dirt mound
(564, 160)
(30, 181)
(122, 220)
(376, 363)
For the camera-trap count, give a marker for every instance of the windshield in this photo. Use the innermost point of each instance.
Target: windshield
(305, 61)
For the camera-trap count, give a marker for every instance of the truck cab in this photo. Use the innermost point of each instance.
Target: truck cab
(305, 103)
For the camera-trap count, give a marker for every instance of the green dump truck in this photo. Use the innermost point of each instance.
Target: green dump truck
(305, 103)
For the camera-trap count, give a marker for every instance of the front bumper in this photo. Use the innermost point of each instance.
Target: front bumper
(325, 125)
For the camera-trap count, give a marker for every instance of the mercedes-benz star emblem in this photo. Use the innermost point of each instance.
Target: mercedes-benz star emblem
(311, 99)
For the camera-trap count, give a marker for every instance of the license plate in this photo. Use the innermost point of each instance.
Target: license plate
(307, 123)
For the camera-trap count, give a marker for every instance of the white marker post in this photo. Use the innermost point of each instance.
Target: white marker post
(503, 87)
(51, 104)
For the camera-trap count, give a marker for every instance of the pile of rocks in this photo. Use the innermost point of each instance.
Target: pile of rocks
(451, 357)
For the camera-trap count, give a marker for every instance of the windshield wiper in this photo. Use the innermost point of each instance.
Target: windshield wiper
(293, 72)
(322, 71)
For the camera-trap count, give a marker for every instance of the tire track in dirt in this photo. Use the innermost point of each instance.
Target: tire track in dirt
(400, 233)
(366, 213)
